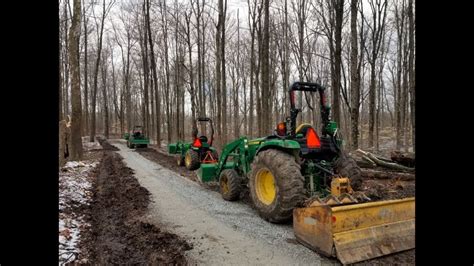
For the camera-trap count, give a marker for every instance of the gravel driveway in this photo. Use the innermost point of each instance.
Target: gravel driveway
(221, 232)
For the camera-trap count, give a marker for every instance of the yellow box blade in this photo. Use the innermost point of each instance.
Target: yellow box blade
(357, 232)
(371, 242)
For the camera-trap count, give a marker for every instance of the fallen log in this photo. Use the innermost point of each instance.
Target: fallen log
(377, 174)
(386, 164)
(403, 158)
(365, 164)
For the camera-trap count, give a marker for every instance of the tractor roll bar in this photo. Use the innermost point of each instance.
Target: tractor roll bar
(204, 119)
(311, 87)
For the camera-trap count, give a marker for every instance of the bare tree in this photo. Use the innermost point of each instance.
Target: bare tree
(155, 77)
(105, 10)
(355, 78)
(376, 28)
(411, 67)
(76, 119)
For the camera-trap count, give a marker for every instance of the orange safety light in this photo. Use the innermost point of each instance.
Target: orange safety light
(312, 139)
(281, 128)
(197, 143)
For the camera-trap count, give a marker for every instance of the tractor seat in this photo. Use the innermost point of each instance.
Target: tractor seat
(303, 129)
(203, 138)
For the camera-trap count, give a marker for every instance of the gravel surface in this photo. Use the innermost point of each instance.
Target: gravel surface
(221, 231)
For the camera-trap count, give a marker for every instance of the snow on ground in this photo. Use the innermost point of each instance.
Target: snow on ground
(88, 146)
(75, 190)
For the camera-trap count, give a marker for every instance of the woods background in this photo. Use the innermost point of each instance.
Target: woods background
(163, 63)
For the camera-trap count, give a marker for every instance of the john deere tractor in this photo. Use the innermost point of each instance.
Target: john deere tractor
(137, 138)
(200, 150)
(297, 167)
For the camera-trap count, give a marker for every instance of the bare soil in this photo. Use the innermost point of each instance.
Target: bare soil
(105, 145)
(387, 189)
(117, 234)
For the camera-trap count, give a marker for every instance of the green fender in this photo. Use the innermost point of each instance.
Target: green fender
(286, 145)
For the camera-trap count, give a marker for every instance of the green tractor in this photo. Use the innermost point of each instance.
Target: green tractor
(199, 151)
(137, 138)
(288, 167)
(296, 173)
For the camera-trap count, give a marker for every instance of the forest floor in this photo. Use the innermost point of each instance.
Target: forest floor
(376, 189)
(101, 215)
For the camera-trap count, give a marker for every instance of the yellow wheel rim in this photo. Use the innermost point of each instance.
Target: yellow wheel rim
(224, 186)
(188, 159)
(265, 186)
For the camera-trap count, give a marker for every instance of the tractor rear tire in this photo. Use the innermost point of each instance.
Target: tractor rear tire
(180, 160)
(132, 146)
(276, 185)
(347, 167)
(230, 185)
(192, 160)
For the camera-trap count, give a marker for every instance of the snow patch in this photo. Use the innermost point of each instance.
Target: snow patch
(75, 191)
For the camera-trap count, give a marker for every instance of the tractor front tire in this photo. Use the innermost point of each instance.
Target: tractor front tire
(347, 167)
(191, 160)
(276, 185)
(230, 184)
(180, 160)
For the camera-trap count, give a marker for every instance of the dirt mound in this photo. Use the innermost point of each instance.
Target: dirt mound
(106, 145)
(117, 234)
(167, 161)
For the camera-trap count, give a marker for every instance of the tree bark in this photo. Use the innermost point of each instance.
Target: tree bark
(105, 98)
(86, 83)
(337, 60)
(76, 119)
(94, 94)
(355, 78)
(411, 67)
(265, 114)
(153, 68)
(370, 173)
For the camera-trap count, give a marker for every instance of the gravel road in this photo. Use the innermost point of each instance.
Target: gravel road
(221, 232)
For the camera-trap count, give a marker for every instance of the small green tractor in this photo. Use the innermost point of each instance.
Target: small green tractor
(288, 167)
(199, 151)
(296, 173)
(137, 138)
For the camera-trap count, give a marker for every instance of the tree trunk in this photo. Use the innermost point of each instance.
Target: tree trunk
(86, 83)
(94, 95)
(76, 123)
(66, 62)
(218, 74)
(153, 67)
(355, 78)
(252, 25)
(369, 173)
(400, 21)
(411, 68)
(105, 98)
(191, 73)
(337, 60)
(265, 114)
(236, 87)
